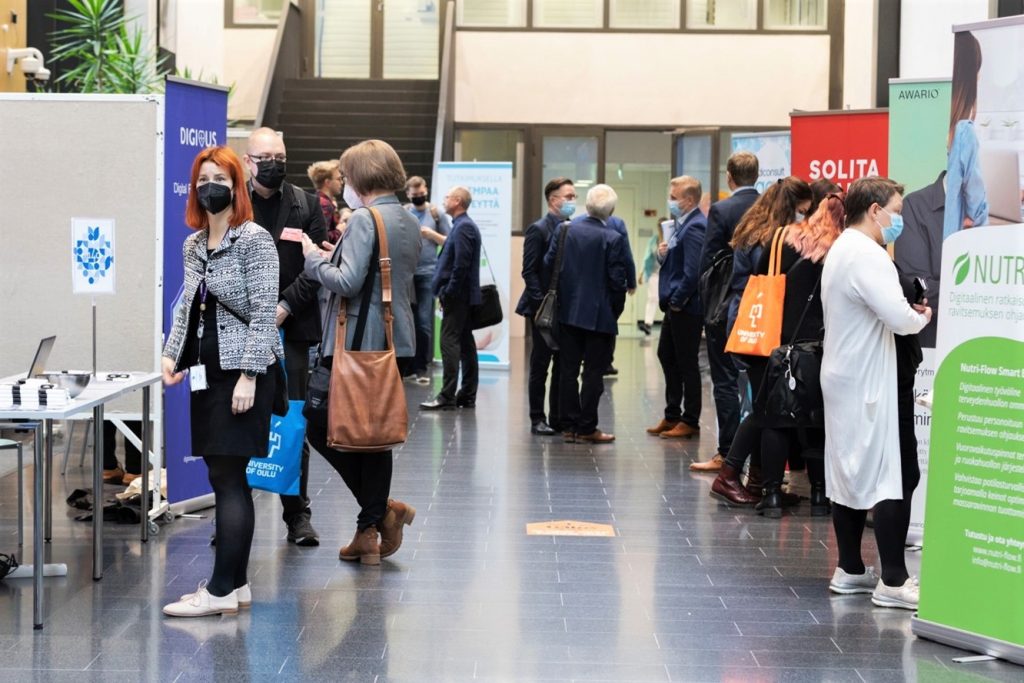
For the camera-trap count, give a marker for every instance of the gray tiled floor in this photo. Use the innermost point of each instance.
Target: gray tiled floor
(687, 590)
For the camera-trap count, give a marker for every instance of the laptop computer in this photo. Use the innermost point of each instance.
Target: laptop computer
(1000, 169)
(38, 366)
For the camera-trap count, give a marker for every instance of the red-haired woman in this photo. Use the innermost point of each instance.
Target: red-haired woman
(224, 336)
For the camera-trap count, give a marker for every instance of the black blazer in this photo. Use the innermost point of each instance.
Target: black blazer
(298, 209)
(535, 245)
(918, 251)
(457, 276)
(723, 218)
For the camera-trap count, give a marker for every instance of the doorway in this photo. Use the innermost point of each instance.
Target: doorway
(399, 39)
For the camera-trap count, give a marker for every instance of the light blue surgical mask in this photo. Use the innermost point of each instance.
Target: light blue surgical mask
(800, 217)
(673, 208)
(567, 209)
(892, 231)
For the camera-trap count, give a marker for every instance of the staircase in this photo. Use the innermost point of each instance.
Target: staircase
(321, 117)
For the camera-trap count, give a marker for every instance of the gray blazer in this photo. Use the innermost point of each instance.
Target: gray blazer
(346, 279)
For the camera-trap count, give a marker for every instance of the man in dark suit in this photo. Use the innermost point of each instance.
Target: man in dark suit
(591, 282)
(619, 226)
(286, 212)
(918, 251)
(679, 344)
(457, 287)
(723, 217)
(561, 197)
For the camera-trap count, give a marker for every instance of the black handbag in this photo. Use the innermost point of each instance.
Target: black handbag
(488, 311)
(546, 317)
(790, 393)
(713, 286)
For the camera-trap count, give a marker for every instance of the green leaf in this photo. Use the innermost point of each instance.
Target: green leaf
(961, 268)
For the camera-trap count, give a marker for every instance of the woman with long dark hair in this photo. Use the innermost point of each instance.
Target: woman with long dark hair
(965, 188)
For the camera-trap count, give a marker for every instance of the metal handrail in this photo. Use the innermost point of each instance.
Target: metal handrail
(445, 115)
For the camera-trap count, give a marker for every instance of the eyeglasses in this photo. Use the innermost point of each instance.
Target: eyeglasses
(260, 158)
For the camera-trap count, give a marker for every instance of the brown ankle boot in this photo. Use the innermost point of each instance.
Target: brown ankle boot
(364, 547)
(728, 489)
(398, 515)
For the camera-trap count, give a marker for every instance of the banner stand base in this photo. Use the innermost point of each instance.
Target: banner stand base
(947, 635)
(192, 504)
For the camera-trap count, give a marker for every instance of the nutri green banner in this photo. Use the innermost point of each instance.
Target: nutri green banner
(918, 122)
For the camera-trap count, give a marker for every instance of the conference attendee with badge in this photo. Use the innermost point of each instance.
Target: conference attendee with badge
(225, 341)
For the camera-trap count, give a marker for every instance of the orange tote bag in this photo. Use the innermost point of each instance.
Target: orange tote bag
(758, 328)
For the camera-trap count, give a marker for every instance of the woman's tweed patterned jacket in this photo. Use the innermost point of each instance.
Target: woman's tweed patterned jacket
(243, 274)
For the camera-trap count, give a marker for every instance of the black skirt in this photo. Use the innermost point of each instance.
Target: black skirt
(215, 429)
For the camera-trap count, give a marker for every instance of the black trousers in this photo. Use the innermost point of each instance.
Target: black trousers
(724, 378)
(746, 443)
(296, 363)
(541, 356)
(367, 475)
(678, 347)
(593, 351)
(458, 348)
(132, 457)
(779, 445)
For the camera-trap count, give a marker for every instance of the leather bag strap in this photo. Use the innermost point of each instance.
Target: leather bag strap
(553, 287)
(775, 259)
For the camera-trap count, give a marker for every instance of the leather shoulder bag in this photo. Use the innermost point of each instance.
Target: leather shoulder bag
(489, 312)
(546, 317)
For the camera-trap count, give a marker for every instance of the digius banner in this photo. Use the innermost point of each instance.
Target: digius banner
(842, 146)
(918, 121)
(490, 184)
(772, 150)
(195, 117)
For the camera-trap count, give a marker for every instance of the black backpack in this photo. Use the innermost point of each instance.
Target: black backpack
(714, 287)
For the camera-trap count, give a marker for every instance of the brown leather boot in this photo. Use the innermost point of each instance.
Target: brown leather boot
(398, 515)
(728, 489)
(754, 482)
(113, 476)
(680, 430)
(364, 547)
(662, 426)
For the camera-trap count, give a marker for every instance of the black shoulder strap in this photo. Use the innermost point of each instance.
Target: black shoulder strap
(364, 305)
(810, 297)
(553, 287)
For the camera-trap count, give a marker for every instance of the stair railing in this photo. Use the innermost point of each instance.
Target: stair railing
(285, 63)
(444, 137)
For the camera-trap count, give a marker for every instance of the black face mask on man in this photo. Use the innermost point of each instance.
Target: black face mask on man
(419, 201)
(270, 173)
(214, 197)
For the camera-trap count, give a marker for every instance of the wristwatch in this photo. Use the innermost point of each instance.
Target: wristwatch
(251, 374)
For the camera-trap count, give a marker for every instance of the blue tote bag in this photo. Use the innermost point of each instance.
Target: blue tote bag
(280, 471)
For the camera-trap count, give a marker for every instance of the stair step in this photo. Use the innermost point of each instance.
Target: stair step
(350, 107)
(399, 85)
(301, 129)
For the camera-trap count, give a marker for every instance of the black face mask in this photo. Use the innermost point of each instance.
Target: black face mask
(419, 201)
(214, 197)
(270, 173)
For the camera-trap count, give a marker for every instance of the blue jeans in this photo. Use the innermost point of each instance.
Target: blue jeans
(423, 314)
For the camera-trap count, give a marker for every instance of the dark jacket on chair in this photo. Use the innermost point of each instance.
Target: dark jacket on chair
(457, 276)
(593, 276)
(535, 245)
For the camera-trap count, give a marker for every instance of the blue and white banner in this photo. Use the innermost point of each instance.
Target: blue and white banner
(195, 117)
(490, 184)
(773, 152)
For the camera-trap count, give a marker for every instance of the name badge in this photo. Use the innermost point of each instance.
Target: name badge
(197, 378)
(291, 234)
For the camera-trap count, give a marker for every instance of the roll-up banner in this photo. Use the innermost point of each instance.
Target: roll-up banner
(972, 567)
(772, 150)
(196, 117)
(840, 145)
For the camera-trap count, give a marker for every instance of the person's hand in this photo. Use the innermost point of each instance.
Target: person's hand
(924, 310)
(640, 280)
(281, 316)
(675, 309)
(326, 249)
(170, 376)
(307, 245)
(244, 395)
(631, 291)
(426, 232)
(662, 249)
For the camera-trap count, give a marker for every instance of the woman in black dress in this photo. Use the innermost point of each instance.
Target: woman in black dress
(225, 338)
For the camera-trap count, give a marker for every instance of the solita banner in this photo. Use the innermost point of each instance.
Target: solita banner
(840, 145)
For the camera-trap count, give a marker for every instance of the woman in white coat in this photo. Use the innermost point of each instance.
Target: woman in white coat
(864, 306)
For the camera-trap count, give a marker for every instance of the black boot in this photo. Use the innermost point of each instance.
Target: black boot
(771, 501)
(820, 506)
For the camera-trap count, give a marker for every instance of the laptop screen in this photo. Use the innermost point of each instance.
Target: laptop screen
(38, 366)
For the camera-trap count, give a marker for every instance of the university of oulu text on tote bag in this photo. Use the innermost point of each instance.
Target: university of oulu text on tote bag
(366, 408)
(758, 328)
(281, 470)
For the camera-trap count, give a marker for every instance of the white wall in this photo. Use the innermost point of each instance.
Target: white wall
(638, 79)
(926, 38)
(860, 48)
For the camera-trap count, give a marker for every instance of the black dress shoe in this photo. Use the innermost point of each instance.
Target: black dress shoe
(611, 370)
(437, 404)
(542, 428)
(460, 403)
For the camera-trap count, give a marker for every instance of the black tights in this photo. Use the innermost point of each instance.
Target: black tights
(236, 519)
(778, 445)
(746, 442)
(891, 521)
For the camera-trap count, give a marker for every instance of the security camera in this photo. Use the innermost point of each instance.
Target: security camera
(42, 74)
(31, 61)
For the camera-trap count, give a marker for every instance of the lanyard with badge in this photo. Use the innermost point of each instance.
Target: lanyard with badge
(197, 373)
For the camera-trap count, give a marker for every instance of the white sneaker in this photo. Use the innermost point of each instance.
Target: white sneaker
(904, 597)
(848, 584)
(423, 380)
(202, 604)
(244, 595)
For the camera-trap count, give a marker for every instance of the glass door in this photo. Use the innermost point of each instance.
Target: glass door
(372, 39)
(571, 153)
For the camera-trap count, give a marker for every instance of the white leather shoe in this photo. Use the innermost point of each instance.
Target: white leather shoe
(848, 584)
(202, 604)
(243, 594)
(904, 597)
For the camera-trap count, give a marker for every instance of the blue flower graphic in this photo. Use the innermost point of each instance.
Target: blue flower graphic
(94, 256)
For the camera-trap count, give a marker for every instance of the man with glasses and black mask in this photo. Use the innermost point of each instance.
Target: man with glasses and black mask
(286, 212)
(434, 228)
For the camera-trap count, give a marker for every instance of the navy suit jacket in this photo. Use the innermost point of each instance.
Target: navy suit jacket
(535, 245)
(680, 271)
(619, 226)
(457, 277)
(593, 276)
(723, 218)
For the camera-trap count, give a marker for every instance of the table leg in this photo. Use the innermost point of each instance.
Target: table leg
(48, 505)
(37, 528)
(145, 463)
(97, 493)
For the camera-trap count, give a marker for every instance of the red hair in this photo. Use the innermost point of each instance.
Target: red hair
(195, 215)
(814, 237)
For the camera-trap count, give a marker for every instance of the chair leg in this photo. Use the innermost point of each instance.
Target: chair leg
(21, 502)
(69, 434)
(85, 443)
